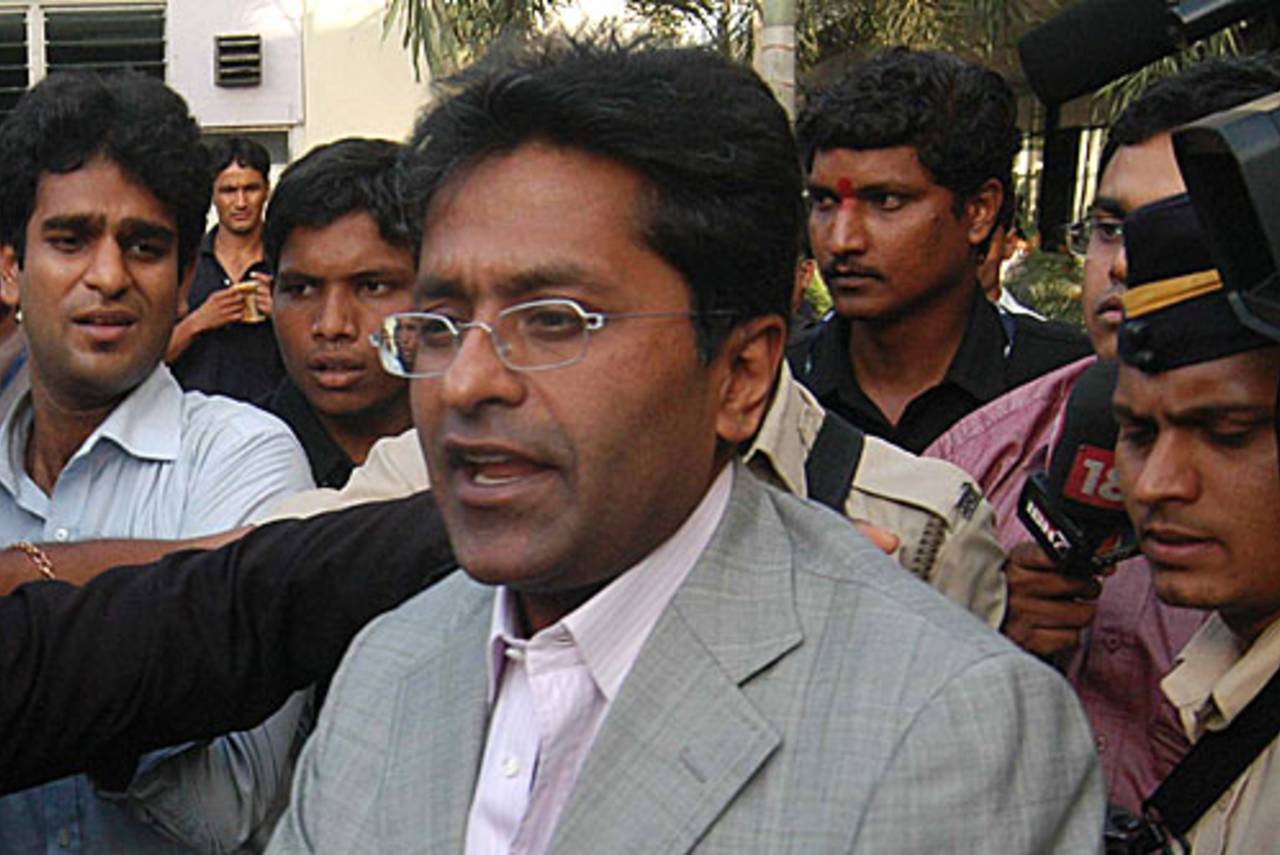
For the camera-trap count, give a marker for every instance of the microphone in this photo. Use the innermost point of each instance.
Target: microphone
(1075, 511)
(1093, 42)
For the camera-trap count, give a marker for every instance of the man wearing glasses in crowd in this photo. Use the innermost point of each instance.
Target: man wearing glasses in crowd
(1111, 636)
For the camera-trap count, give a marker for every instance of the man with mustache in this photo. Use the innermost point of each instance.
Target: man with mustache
(106, 188)
(1196, 456)
(909, 160)
(1113, 638)
(343, 245)
(649, 648)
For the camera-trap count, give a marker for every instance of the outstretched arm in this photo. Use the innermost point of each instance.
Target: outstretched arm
(202, 642)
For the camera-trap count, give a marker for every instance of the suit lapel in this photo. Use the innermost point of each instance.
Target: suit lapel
(681, 739)
(442, 718)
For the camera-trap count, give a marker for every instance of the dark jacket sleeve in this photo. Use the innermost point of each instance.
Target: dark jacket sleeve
(201, 642)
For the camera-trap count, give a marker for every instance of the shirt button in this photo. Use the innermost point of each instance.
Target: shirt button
(510, 766)
(1101, 744)
(61, 534)
(1112, 643)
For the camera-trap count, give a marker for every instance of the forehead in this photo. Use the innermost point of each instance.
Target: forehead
(1142, 173)
(352, 242)
(236, 175)
(1241, 380)
(539, 207)
(100, 188)
(846, 169)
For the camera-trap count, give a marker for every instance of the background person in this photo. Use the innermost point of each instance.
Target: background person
(220, 347)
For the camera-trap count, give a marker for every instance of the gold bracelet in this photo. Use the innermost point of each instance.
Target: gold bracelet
(38, 557)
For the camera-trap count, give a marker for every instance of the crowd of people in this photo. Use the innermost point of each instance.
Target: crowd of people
(482, 494)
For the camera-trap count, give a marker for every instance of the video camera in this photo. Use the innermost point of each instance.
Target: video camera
(1093, 42)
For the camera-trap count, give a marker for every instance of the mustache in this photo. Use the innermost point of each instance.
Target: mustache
(842, 265)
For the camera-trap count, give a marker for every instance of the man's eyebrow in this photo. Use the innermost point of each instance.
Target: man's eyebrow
(566, 276)
(71, 222)
(1209, 413)
(1108, 205)
(135, 227)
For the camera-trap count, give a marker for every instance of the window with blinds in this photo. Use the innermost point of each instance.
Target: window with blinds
(105, 38)
(13, 59)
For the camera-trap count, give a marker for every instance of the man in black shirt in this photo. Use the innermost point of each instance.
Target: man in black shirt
(221, 346)
(909, 161)
(344, 246)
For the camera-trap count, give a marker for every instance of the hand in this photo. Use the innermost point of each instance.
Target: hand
(224, 306)
(886, 540)
(1047, 611)
(263, 295)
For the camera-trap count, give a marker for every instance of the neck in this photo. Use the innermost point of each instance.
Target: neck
(57, 431)
(896, 360)
(355, 435)
(237, 252)
(1247, 626)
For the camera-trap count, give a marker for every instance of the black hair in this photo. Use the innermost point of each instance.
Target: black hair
(960, 118)
(241, 151)
(132, 120)
(705, 134)
(1201, 90)
(331, 181)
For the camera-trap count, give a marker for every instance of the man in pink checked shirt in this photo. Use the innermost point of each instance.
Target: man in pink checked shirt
(1111, 636)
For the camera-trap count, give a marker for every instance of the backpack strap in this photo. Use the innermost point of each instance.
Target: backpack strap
(829, 468)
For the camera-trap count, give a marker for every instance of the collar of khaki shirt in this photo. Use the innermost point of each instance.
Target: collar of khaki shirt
(1218, 673)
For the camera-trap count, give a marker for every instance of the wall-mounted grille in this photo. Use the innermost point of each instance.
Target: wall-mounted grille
(13, 59)
(237, 60)
(105, 40)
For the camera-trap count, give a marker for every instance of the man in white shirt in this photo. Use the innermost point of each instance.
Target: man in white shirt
(1196, 457)
(649, 649)
(106, 188)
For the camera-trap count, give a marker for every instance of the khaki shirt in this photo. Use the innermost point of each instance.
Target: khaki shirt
(946, 529)
(1215, 677)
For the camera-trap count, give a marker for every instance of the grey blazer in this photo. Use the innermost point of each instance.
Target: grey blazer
(801, 693)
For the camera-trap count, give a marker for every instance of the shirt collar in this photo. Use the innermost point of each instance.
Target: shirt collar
(610, 628)
(330, 465)
(1218, 673)
(147, 424)
(977, 367)
(790, 428)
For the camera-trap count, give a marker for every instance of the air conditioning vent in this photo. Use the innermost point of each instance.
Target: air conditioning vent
(237, 61)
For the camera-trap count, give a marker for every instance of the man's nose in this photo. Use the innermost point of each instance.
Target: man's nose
(477, 375)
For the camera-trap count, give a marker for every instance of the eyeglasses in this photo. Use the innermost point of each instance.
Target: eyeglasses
(1093, 232)
(534, 336)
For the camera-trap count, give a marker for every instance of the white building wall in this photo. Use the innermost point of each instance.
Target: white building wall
(357, 82)
(191, 26)
(327, 70)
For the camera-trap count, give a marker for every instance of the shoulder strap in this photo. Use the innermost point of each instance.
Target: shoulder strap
(1216, 761)
(829, 468)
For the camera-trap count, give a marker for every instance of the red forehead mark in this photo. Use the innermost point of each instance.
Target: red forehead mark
(844, 188)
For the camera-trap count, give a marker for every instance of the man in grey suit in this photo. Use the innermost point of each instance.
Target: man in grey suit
(649, 650)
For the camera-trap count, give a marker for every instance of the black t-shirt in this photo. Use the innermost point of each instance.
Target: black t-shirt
(240, 361)
(201, 643)
(330, 465)
(999, 352)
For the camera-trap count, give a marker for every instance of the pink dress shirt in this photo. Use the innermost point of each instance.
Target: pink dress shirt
(1134, 637)
(550, 693)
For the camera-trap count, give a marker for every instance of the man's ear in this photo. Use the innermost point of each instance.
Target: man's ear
(981, 209)
(184, 288)
(9, 291)
(751, 357)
